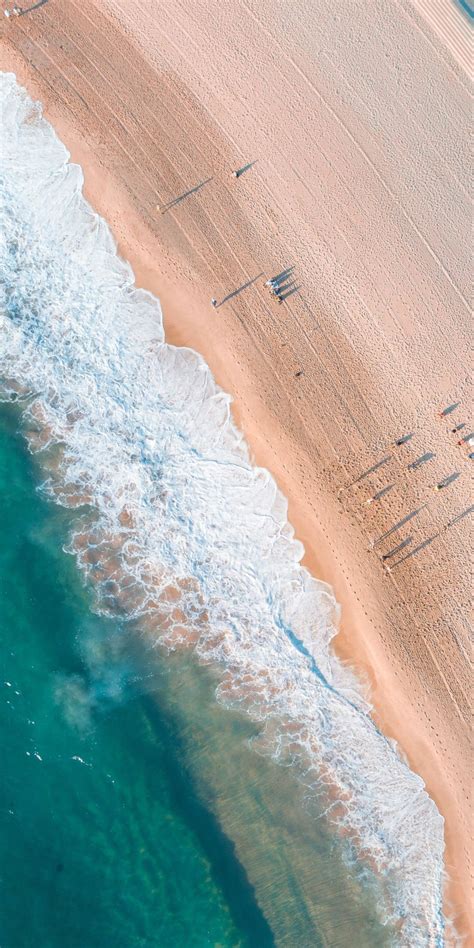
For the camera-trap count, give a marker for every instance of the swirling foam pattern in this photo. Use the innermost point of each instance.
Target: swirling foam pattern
(176, 528)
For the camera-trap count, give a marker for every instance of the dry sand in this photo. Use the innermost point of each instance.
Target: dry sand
(357, 117)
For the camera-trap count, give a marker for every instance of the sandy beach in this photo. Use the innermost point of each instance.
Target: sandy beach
(357, 121)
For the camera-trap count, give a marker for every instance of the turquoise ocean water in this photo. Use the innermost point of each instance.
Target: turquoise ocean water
(121, 778)
(103, 840)
(184, 759)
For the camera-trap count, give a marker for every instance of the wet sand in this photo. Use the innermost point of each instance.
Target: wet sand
(358, 127)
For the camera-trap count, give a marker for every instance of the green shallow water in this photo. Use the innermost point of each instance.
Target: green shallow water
(105, 852)
(169, 829)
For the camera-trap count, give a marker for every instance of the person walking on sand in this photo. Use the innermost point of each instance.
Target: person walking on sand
(214, 302)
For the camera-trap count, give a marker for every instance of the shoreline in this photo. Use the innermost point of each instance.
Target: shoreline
(320, 520)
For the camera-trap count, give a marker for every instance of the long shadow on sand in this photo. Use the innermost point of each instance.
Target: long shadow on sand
(239, 289)
(182, 197)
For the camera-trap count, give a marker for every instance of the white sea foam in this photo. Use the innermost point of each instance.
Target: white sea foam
(181, 531)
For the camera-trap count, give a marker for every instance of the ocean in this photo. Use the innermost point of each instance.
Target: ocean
(185, 760)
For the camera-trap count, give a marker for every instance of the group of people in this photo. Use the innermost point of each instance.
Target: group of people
(468, 440)
(274, 285)
(447, 480)
(15, 11)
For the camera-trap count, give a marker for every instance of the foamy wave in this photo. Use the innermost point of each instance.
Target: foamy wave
(177, 529)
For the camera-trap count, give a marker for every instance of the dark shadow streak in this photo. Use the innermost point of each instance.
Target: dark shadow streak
(284, 275)
(400, 523)
(465, 513)
(421, 546)
(397, 549)
(369, 471)
(181, 197)
(450, 408)
(381, 493)
(449, 480)
(404, 439)
(34, 7)
(290, 292)
(245, 168)
(239, 290)
(284, 287)
(428, 456)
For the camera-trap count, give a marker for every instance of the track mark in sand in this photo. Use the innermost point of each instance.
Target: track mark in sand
(420, 23)
(192, 43)
(342, 302)
(346, 409)
(100, 122)
(364, 105)
(450, 26)
(186, 35)
(369, 161)
(266, 358)
(430, 651)
(179, 50)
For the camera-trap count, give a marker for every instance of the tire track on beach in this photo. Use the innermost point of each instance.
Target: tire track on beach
(181, 55)
(347, 409)
(259, 347)
(360, 399)
(446, 23)
(266, 356)
(441, 605)
(401, 642)
(292, 88)
(377, 174)
(363, 105)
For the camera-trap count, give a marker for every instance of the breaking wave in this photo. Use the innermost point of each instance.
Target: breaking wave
(175, 527)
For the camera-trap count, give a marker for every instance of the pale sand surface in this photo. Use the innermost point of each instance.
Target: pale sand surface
(452, 27)
(357, 116)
